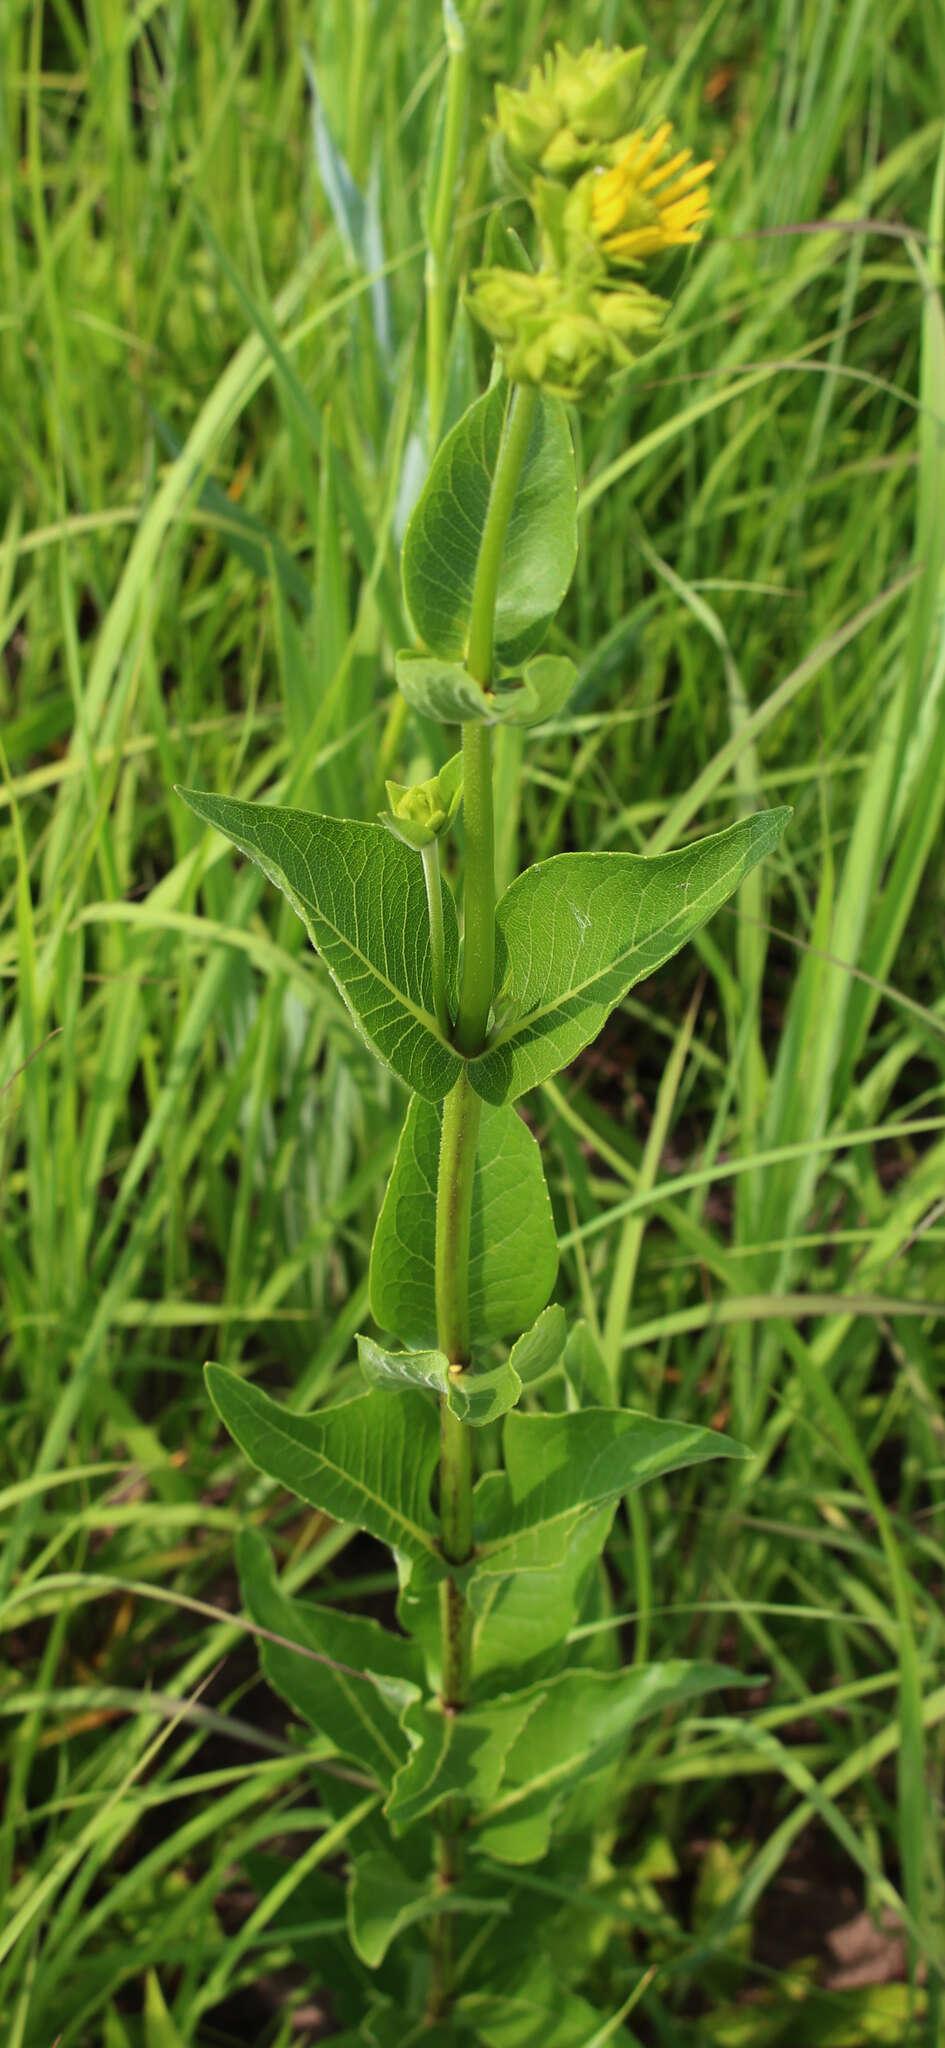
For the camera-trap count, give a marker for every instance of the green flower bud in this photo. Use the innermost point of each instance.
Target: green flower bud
(561, 333)
(571, 108)
(422, 811)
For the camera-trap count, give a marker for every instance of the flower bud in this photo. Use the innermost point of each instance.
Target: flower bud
(570, 109)
(560, 333)
(421, 812)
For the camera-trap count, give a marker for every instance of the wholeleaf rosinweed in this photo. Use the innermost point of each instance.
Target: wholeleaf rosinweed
(483, 1730)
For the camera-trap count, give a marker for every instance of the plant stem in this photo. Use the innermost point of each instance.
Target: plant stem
(440, 226)
(462, 1111)
(430, 856)
(479, 895)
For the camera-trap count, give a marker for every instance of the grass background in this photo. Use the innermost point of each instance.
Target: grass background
(211, 383)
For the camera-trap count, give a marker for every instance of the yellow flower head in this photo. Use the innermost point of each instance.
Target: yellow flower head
(648, 202)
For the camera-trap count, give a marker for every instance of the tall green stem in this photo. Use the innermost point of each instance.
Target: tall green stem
(460, 1131)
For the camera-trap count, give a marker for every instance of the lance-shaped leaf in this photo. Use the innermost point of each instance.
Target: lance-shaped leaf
(384, 1898)
(463, 1754)
(520, 1620)
(445, 690)
(346, 1676)
(558, 1468)
(475, 1397)
(369, 1461)
(513, 1247)
(575, 932)
(360, 894)
(580, 1719)
(445, 529)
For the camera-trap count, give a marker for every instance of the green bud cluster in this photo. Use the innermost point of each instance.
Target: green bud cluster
(604, 199)
(423, 811)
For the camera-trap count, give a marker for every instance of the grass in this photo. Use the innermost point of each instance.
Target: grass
(207, 412)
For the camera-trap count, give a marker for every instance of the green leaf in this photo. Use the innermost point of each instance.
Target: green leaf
(575, 932)
(445, 690)
(559, 1467)
(354, 1687)
(383, 1899)
(540, 1348)
(535, 2010)
(360, 894)
(159, 2028)
(476, 1397)
(444, 533)
(584, 1368)
(580, 1719)
(454, 1754)
(520, 1619)
(513, 1248)
(369, 1461)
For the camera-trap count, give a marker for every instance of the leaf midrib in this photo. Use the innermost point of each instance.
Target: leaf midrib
(424, 1537)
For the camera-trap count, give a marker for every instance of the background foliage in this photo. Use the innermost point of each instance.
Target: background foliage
(208, 438)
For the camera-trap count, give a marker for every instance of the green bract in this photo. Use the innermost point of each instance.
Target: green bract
(422, 811)
(570, 107)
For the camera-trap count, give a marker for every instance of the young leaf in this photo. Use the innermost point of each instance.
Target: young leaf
(476, 1397)
(454, 1754)
(354, 1699)
(444, 533)
(575, 932)
(579, 1719)
(445, 690)
(559, 1467)
(540, 1348)
(519, 1620)
(383, 1899)
(513, 1251)
(360, 894)
(369, 1461)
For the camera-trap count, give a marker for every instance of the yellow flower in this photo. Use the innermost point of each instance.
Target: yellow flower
(642, 205)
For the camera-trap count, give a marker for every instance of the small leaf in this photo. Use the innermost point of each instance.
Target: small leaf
(579, 1720)
(369, 1461)
(355, 1698)
(475, 1397)
(159, 2028)
(445, 690)
(540, 1348)
(444, 533)
(575, 932)
(585, 1370)
(558, 1467)
(519, 1620)
(361, 896)
(383, 1899)
(454, 1754)
(513, 1251)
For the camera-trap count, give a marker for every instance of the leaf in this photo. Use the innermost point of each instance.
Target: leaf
(461, 1755)
(475, 1397)
(444, 533)
(575, 932)
(513, 1249)
(520, 1619)
(540, 1348)
(369, 1461)
(361, 896)
(580, 1719)
(445, 690)
(159, 2028)
(584, 1368)
(341, 1699)
(383, 1899)
(559, 1467)
(535, 2010)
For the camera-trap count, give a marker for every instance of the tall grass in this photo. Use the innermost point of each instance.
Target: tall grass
(211, 367)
